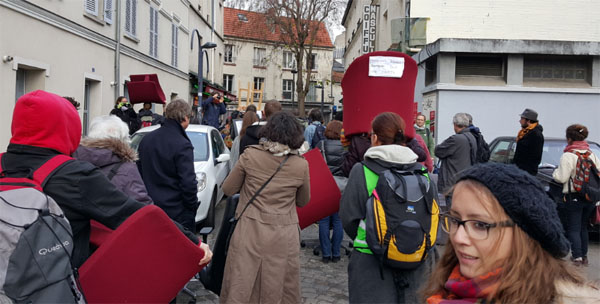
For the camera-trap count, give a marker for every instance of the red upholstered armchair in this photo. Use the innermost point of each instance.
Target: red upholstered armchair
(146, 260)
(145, 88)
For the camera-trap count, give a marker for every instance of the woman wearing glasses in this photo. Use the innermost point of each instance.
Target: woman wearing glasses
(506, 244)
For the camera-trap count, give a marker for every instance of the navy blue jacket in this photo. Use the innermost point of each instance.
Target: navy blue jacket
(167, 168)
(212, 112)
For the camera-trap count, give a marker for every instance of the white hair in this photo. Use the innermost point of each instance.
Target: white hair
(461, 120)
(109, 126)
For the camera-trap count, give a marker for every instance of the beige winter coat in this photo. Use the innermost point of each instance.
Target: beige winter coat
(263, 263)
(567, 167)
(570, 293)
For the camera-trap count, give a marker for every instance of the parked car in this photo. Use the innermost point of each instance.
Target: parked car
(502, 150)
(210, 163)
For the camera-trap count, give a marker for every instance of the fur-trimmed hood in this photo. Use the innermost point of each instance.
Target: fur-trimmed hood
(571, 293)
(106, 151)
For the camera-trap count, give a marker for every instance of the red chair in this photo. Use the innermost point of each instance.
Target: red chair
(146, 260)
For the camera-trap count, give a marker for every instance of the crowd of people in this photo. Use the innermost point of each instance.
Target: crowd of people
(512, 247)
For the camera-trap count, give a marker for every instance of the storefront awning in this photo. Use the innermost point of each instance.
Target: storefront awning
(145, 88)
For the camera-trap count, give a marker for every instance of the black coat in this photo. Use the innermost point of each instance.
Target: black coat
(82, 192)
(333, 152)
(129, 117)
(528, 154)
(250, 138)
(167, 168)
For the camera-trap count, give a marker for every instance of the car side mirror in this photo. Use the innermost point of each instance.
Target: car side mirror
(223, 158)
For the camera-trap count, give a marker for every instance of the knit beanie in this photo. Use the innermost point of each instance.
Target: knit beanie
(525, 202)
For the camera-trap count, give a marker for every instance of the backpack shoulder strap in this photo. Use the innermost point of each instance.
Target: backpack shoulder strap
(1, 155)
(371, 178)
(113, 171)
(49, 167)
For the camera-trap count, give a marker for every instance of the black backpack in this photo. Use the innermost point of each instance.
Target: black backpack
(318, 136)
(483, 149)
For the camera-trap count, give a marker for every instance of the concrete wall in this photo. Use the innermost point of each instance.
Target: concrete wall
(575, 20)
(66, 68)
(61, 46)
(497, 113)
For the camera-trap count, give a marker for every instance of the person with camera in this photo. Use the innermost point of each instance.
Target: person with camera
(213, 107)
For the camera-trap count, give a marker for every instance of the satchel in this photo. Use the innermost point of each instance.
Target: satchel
(211, 276)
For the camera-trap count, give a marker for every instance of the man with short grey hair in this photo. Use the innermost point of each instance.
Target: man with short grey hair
(456, 153)
(167, 165)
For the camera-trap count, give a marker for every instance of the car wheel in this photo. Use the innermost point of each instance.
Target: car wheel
(210, 217)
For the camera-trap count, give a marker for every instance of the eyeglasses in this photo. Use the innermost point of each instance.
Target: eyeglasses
(475, 229)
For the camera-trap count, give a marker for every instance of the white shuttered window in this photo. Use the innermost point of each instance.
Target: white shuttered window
(108, 11)
(91, 7)
(153, 32)
(174, 39)
(131, 17)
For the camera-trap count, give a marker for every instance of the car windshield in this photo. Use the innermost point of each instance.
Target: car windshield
(199, 141)
(553, 150)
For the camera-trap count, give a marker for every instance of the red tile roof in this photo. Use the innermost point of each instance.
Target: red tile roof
(337, 76)
(256, 28)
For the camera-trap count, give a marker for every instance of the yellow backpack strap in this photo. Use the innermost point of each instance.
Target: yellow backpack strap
(371, 179)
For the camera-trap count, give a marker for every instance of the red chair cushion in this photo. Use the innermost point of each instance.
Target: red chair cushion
(146, 260)
(324, 192)
(366, 96)
(99, 233)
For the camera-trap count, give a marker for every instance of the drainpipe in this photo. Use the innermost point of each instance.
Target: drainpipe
(118, 50)
(212, 38)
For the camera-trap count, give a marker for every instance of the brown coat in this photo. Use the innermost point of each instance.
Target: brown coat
(263, 263)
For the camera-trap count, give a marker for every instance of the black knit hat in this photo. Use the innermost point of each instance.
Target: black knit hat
(524, 200)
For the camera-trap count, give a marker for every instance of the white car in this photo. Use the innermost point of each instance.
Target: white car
(210, 163)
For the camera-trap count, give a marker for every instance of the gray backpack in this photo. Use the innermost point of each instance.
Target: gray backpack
(36, 242)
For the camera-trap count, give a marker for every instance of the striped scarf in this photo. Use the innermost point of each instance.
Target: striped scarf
(462, 290)
(524, 131)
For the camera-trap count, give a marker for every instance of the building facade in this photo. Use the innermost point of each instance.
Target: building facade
(256, 58)
(493, 60)
(88, 49)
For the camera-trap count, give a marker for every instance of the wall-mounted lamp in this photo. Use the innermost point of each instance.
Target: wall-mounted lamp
(7, 58)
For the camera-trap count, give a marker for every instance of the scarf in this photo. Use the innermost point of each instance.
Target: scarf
(419, 128)
(524, 131)
(276, 148)
(577, 145)
(462, 290)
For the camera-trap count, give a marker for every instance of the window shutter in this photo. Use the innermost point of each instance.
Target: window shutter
(128, 17)
(174, 34)
(91, 7)
(155, 33)
(152, 21)
(108, 13)
(134, 17)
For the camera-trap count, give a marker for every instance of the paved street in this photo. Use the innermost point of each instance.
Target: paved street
(328, 283)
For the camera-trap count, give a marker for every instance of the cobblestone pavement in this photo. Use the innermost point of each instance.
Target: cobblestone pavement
(320, 283)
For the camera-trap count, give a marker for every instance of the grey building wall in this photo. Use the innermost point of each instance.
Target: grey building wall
(497, 113)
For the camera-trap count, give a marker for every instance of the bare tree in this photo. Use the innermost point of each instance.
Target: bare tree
(298, 22)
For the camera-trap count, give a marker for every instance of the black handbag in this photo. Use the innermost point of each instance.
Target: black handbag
(211, 276)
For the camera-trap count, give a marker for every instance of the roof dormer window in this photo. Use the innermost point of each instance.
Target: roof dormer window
(242, 17)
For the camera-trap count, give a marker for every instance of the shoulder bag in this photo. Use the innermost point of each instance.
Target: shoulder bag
(211, 276)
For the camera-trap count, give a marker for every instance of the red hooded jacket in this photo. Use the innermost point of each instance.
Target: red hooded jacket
(46, 120)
